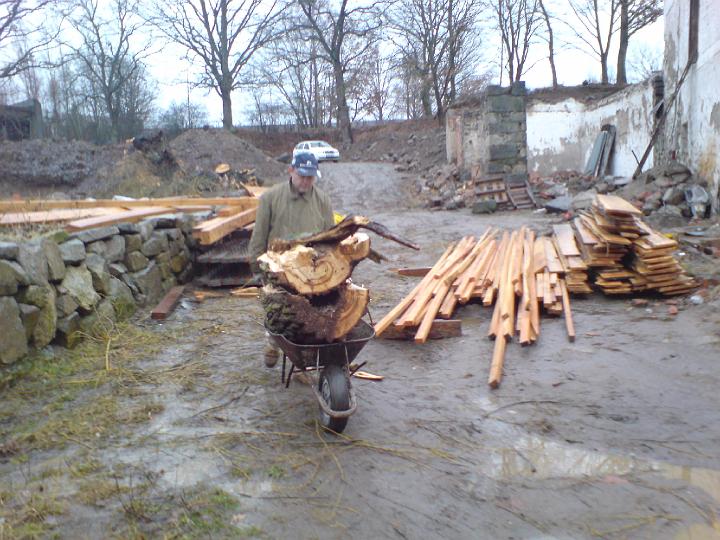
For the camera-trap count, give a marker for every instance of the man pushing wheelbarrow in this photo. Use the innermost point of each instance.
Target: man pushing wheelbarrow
(313, 310)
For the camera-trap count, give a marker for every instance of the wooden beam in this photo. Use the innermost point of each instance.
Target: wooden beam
(37, 205)
(498, 360)
(568, 313)
(51, 216)
(382, 325)
(412, 272)
(167, 304)
(441, 328)
(129, 216)
(213, 230)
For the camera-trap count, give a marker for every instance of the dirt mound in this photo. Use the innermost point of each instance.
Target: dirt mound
(282, 142)
(36, 168)
(416, 146)
(32, 165)
(199, 151)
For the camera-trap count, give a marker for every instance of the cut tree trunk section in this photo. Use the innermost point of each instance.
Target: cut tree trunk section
(319, 319)
(315, 270)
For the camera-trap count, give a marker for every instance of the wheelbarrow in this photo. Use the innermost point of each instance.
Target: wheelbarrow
(328, 365)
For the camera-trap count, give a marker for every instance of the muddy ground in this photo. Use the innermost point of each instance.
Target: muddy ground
(188, 435)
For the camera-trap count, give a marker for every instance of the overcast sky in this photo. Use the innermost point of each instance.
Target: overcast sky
(172, 71)
(573, 67)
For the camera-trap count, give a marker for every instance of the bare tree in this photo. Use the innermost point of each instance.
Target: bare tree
(438, 41)
(409, 91)
(22, 31)
(518, 22)
(293, 67)
(643, 62)
(223, 34)
(344, 34)
(109, 60)
(634, 15)
(377, 84)
(597, 24)
(551, 42)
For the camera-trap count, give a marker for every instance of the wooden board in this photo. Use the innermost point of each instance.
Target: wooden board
(37, 205)
(440, 329)
(167, 304)
(51, 216)
(566, 240)
(412, 272)
(612, 204)
(214, 229)
(129, 216)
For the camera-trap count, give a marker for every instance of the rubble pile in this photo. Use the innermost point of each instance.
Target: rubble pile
(670, 190)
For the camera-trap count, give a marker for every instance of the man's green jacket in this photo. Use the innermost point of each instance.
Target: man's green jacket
(285, 213)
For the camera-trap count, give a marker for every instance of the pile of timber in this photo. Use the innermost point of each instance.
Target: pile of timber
(520, 275)
(655, 267)
(232, 213)
(626, 255)
(568, 253)
(516, 272)
(310, 297)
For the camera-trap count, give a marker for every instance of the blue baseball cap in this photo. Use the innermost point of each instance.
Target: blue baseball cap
(306, 164)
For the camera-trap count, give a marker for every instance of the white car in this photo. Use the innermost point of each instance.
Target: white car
(320, 149)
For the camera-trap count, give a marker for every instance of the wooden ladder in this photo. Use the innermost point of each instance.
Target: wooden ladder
(520, 195)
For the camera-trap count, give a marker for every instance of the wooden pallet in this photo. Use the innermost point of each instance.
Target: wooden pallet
(492, 189)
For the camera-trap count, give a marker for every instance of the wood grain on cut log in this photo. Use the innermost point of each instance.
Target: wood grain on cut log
(318, 269)
(318, 319)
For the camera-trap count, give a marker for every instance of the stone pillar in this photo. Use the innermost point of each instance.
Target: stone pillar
(492, 133)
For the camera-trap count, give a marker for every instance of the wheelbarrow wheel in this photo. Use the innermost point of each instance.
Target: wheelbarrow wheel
(334, 387)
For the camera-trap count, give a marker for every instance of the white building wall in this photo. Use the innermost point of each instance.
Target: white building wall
(560, 136)
(692, 132)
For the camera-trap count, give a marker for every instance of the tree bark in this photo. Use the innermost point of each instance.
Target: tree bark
(319, 319)
(227, 108)
(624, 40)
(342, 107)
(551, 45)
(604, 67)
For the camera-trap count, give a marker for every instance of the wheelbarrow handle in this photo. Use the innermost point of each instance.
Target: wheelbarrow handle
(336, 414)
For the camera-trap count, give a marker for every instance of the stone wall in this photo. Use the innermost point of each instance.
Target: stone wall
(55, 288)
(487, 134)
(561, 132)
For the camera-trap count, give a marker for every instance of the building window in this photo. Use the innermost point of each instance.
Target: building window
(693, 36)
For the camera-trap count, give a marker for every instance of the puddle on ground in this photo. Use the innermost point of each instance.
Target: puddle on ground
(535, 457)
(699, 531)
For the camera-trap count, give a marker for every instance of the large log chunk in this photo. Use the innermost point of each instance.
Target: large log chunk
(315, 270)
(319, 319)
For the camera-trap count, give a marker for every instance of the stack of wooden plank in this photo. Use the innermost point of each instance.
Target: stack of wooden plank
(515, 272)
(655, 266)
(233, 212)
(574, 267)
(626, 255)
(609, 230)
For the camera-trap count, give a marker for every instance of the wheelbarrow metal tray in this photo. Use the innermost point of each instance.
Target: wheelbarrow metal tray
(302, 355)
